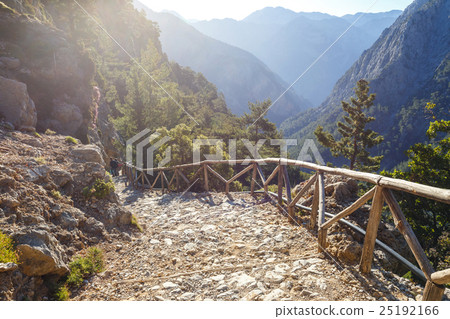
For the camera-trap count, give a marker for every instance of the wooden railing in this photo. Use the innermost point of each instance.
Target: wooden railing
(379, 194)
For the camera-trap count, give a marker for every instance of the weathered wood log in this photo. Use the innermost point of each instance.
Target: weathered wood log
(132, 180)
(137, 178)
(315, 205)
(271, 176)
(438, 194)
(198, 173)
(216, 174)
(186, 180)
(177, 180)
(156, 179)
(280, 187)
(205, 177)
(146, 178)
(371, 231)
(252, 184)
(287, 183)
(349, 210)
(433, 292)
(235, 177)
(261, 174)
(322, 240)
(441, 277)
(303, 190)
(171, 180)
(163, 177)
(405, 229)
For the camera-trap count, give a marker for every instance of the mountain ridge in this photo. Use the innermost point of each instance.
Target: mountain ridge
(237, 73)
(288, 48)
(403, 66)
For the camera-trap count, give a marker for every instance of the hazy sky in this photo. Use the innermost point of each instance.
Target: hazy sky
(239, 9)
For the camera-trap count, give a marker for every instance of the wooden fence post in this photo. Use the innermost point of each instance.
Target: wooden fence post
(252, 187)
(321, 239)
(315, 205)
(177, 180)
(280, 187)
(433, 292)
(205, 174)
(371, 231)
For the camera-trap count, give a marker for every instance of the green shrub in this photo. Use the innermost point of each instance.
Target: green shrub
(236, 186)
(100, 189)
(50, 132)
(83, 267)
(63, 293)
(71, 140)
(135, 222)
(55, 194)
(7, 252)
(40, 160)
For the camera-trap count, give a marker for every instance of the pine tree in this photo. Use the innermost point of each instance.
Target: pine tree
(356, 139)
(258, 125)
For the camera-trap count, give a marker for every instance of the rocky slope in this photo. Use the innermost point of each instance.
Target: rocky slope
(198, 246)
(43, 209)
(407, 67)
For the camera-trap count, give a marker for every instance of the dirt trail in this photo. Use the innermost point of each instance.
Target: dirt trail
(215, 247)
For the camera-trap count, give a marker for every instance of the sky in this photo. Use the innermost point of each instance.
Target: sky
(239, 9)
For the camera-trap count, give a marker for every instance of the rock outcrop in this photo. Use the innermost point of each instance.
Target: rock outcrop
(40, 253)
(16, 105)
(54, 72)
(88, 154)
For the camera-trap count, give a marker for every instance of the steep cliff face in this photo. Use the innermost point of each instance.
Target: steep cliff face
(56, 73)
(407, 67)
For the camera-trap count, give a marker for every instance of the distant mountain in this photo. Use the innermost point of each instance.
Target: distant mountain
(408, 66)
(271, 16)
(373, 23)
(288, 42)
(238, 74)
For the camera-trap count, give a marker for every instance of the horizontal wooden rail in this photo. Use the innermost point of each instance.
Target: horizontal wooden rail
(434, 193)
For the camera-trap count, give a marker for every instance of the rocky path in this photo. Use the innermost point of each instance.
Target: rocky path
(214, 247)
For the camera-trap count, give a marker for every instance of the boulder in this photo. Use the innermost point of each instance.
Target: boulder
(94, 227)
(88, 153)
(16, 105)
(66, 118)
(68, 221)
(40, 253)
(60, 177)
(33, 142)
(116, 215)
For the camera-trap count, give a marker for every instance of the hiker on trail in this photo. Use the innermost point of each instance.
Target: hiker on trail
(113, 164)
(120, 168)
